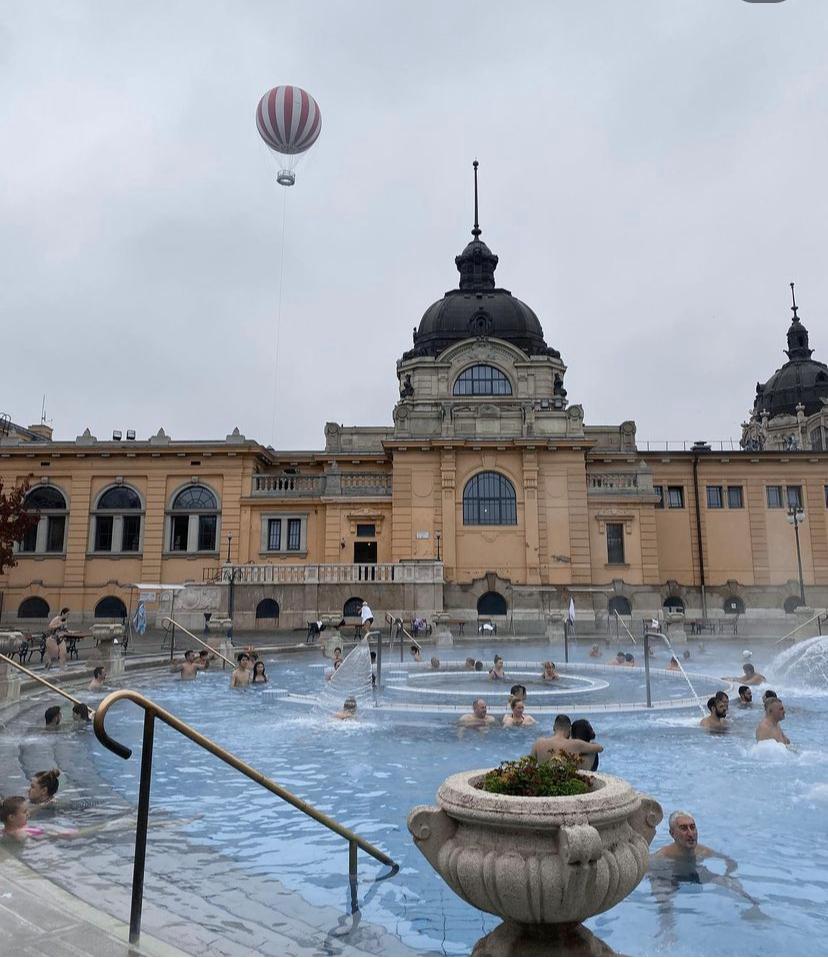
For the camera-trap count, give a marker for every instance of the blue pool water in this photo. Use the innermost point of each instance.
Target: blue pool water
(763, 806)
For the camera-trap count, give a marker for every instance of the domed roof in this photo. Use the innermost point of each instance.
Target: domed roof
(801, 380)
(478, 307)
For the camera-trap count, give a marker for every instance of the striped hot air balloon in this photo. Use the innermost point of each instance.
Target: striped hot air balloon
(289, 121)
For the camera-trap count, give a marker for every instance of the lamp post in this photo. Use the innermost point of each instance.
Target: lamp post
(796, 516)
(437, 536)
(229, 539)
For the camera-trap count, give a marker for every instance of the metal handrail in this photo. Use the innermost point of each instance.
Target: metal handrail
(814, 618)
(38, 678)
(619, 619)
(206, 645)
(153, 711)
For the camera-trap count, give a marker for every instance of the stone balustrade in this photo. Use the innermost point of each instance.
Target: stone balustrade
(333, 573)
(613, 482)
(372, 484)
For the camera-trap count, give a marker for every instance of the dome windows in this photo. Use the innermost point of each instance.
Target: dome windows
(482, 380)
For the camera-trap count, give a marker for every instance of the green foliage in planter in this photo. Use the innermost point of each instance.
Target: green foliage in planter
(558, 776)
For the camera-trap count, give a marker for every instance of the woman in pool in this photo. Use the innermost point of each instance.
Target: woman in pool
(497, 671)
(582, 730)
(43, 788)
(415, 653)
(549, 672)
(259, 675)
(518, 716)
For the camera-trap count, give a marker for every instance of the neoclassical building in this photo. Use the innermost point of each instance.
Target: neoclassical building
(488, 494)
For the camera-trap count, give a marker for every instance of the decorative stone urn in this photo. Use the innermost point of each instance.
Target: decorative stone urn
(109, 641)
(442, 632)
(538, 861)
(674, 627)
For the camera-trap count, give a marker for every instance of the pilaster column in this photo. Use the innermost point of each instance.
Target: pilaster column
(530, 515)
(448, 471)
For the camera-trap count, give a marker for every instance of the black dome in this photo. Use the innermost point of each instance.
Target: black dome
(800, 380)
(478, 308)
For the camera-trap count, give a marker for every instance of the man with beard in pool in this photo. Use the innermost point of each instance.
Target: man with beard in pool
(680, 862)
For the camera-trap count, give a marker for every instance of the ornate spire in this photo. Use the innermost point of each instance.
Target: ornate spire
(797, 334)
(477, 263)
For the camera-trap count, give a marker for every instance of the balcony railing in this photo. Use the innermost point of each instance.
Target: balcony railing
(614, 482)
(331, 484)
(328, 573)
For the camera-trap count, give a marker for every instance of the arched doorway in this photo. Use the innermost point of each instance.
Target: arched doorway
(33, 608)
(352, 606)
(733, 605)
(792, 603)
(673, 604)
(491, 603)
(619, 604)
(110, 607)
(267, 609)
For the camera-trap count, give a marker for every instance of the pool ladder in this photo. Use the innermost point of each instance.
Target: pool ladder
(152, 711)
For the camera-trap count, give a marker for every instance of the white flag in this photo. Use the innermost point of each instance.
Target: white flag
(571, 614)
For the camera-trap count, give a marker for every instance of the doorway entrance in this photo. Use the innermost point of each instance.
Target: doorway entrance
(365, 552)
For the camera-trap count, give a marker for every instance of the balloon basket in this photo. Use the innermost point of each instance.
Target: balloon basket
(286, 177)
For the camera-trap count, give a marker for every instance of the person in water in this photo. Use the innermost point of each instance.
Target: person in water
(673, 665)
(629, 659)
(595, 652)
(620, 659)
(745, 697)
(716, 721)
(478, 666)
(478, 717)
(259, 674)
(415, 653)
(98, 679)
(549, 673)
(584, 732)
(80, 712)
(469, 665)
(337, 657)
(241, 674)
(43, 788)
(518, 692)
(561, 742)
(189, 667)
(348, 710)
(749, 677)
(769, 729)
(517, 717)
(435, 663)
(496, 672)
(52, 716)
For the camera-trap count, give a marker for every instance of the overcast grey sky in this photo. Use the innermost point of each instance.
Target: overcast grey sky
(652, 178)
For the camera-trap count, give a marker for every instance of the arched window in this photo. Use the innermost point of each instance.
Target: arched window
(116, 520)
(619, 604)
(491, 603)
(352, 607)
(482, 381)
(489, 500)
(733, 605)
(193, 520)
(267, 609)
(674, 604)
(110, 607)
(792, 603)
(33, 608)
(49, 535)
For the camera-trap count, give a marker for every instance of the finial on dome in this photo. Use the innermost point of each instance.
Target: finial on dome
(793, 308)
(476, 231)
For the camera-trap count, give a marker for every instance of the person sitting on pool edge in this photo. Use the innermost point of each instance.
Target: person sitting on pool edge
(517, 717)
(549, 674)
(745, 697)
(348, 710)
(768, 729)
(496, 672)
(241, 674)
(716, 721)
(52, 716)
(478, 717)
(562, 742)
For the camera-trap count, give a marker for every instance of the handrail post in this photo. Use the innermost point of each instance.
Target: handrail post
(647, 668)
(141, 829)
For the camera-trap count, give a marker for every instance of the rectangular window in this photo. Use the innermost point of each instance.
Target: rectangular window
(294, 536)
(29, 542)
(826, 496)
(714, 497)
(274, 535)
(103, 534)
(675, 497)
(795, 497)
(659, 491)
(54, 533)
(735, 499)
(774, 497)
(179, 530)
(615, 543)
(207, 533)
(366, 530)
(131, 534)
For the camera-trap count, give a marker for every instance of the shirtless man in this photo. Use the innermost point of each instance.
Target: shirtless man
(745, 697)
(768, 728)
(750, 676)
(518, 716)
(478, 717)
(98, 679)
(595, 652)
(241, 674)
(189, 667)
(620, 659)
(561, 742)
(716, 721)
(348, 710)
